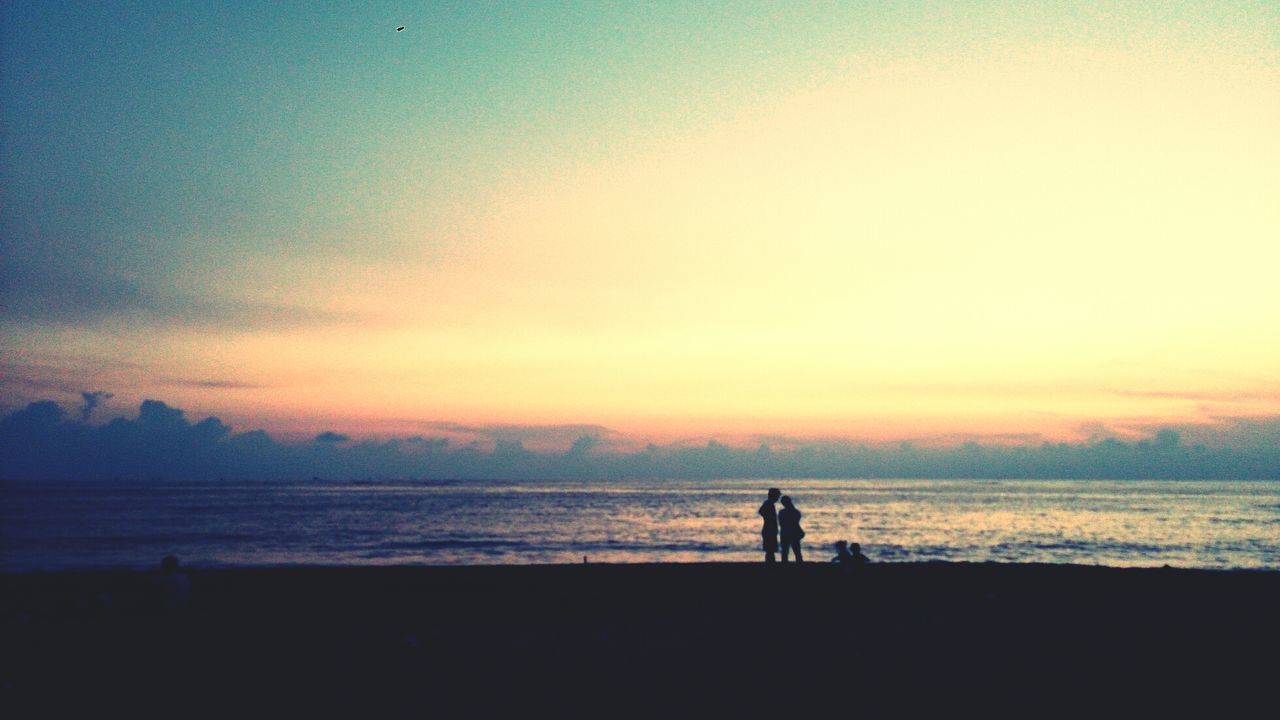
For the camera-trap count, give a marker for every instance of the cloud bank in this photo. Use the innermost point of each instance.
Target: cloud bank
(42, 442)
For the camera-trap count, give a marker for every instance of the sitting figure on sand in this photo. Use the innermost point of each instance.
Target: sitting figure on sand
(849, 555)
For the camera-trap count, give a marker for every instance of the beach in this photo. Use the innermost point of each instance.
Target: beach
(584, 639)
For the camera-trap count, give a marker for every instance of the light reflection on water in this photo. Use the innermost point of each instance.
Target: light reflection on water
(1120, 523)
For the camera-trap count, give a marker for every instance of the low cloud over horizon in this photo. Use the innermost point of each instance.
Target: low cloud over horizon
(43, 441)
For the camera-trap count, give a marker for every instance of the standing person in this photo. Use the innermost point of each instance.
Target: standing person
(770, 529)
(175, 586)
(789, 520)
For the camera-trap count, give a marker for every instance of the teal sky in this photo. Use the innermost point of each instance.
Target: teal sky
(169, 135)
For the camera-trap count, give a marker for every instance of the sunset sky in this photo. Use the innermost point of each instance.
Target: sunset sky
(878, 221)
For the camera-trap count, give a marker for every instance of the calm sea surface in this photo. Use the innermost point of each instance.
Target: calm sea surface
(1203, 524)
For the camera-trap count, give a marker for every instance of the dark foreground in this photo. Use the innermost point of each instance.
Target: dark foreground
(606, 640)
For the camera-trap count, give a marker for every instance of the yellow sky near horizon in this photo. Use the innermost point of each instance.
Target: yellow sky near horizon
(948, 247)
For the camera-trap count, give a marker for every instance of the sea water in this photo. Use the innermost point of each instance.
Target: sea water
(1195, 524)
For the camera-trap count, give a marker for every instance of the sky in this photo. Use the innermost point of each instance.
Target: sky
(664, 222)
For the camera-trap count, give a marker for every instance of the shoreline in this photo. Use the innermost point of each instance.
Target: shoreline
(413, 637)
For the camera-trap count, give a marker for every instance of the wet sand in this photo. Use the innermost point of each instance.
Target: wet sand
(605, 640)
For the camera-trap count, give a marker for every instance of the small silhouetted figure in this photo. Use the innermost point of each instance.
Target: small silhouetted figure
(770, 530)
(175, 586)
(856, 556)
(789, 522)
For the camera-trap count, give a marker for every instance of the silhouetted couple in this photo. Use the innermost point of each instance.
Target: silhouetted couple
(785, 523)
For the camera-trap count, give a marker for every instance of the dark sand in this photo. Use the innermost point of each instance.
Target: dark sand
(607, 640)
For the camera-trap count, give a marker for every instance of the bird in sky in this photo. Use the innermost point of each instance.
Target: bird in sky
(400, 28)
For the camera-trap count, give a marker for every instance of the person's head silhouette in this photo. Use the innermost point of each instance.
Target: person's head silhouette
(774, 494)
(169, 564)
(786, 501)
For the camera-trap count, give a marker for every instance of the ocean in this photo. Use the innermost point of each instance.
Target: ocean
(106, 525)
